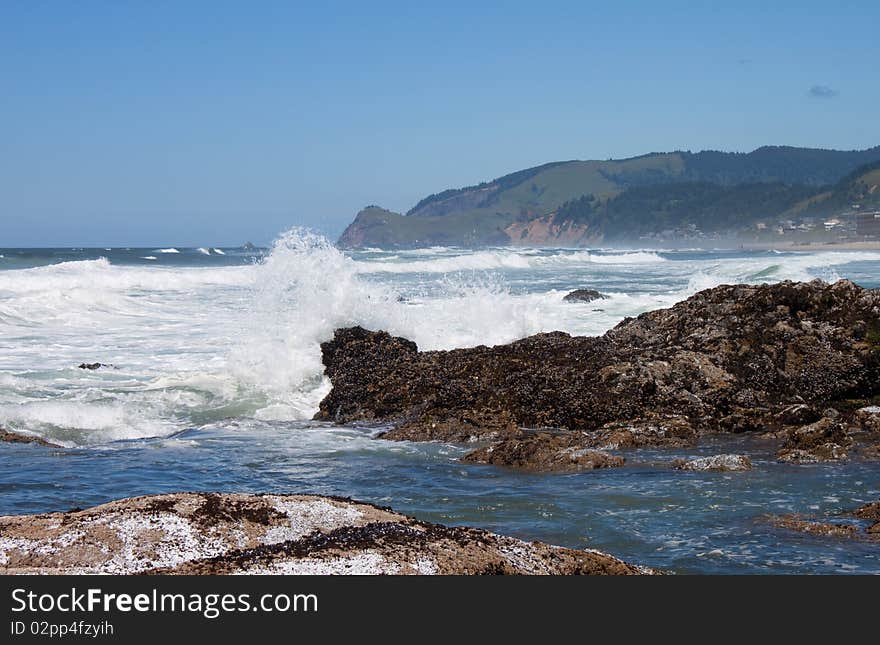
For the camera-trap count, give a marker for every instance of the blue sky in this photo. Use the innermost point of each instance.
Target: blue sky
(212, 123)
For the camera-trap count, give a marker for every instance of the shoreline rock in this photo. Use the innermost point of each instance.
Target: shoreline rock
(813, 527)
(213, 533)
(824, 440)
(544, 452)
(735, 358)
(870, 511)
(16, 437)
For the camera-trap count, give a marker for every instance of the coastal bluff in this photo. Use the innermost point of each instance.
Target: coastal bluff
(796, 362)
(213, 533)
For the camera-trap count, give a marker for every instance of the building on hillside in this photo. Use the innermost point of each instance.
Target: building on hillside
(868, 224)
(831, 224)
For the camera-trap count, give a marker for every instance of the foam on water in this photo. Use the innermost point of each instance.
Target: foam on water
(444, 262)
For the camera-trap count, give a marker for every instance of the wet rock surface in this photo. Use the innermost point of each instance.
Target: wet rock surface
(15, 437)
(824, 440)
(870, 511)
(719, 463)
(211, 533)
(813, 527)
(795, 361)
(545, 452)
(93, 366)
(584, 295)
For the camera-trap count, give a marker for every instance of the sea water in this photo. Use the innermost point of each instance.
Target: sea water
(215, 372)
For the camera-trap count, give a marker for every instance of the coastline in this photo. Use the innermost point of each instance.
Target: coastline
(867, 245)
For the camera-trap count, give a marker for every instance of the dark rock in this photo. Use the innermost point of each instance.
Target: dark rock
(868, 451)
(824, 440)
(15, 437)
(746, 420)
(545, 452)
(92, 366)
(869, 511)
(719, 463)
(868, 418)
(733, 358)
(797, 415)
(584, 295)
(463, 427)
(825, 452)
(667, 432)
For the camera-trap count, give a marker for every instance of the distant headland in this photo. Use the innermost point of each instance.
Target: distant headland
(775, 196)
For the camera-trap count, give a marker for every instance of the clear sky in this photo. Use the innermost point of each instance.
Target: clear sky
(212, 123)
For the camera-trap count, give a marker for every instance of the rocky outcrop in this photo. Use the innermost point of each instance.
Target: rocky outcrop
(650, 431)
(208, 533)
(870, 511)
(821, 529)
(584, 295)
(824, 440)
(92, 366)
(868, 418)
(738, 358)
(15, 437)
(824, 528)
(545, 452)
(719, 463)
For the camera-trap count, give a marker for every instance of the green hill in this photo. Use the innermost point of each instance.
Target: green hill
(582, 202)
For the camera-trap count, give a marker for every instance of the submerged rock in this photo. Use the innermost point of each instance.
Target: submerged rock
(545, 452)
(584, 295)
(93, 366)
(823, 529)
(16, 437)
(870, 511)
(209, 533)
(722, 463)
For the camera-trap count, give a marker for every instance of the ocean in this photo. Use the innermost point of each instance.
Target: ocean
(214, 372)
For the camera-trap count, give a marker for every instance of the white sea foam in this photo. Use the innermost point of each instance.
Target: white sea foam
(219, 251)
(149, 257)
(203, 250)
(171, 250)
(75, 423)
(502, 259)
